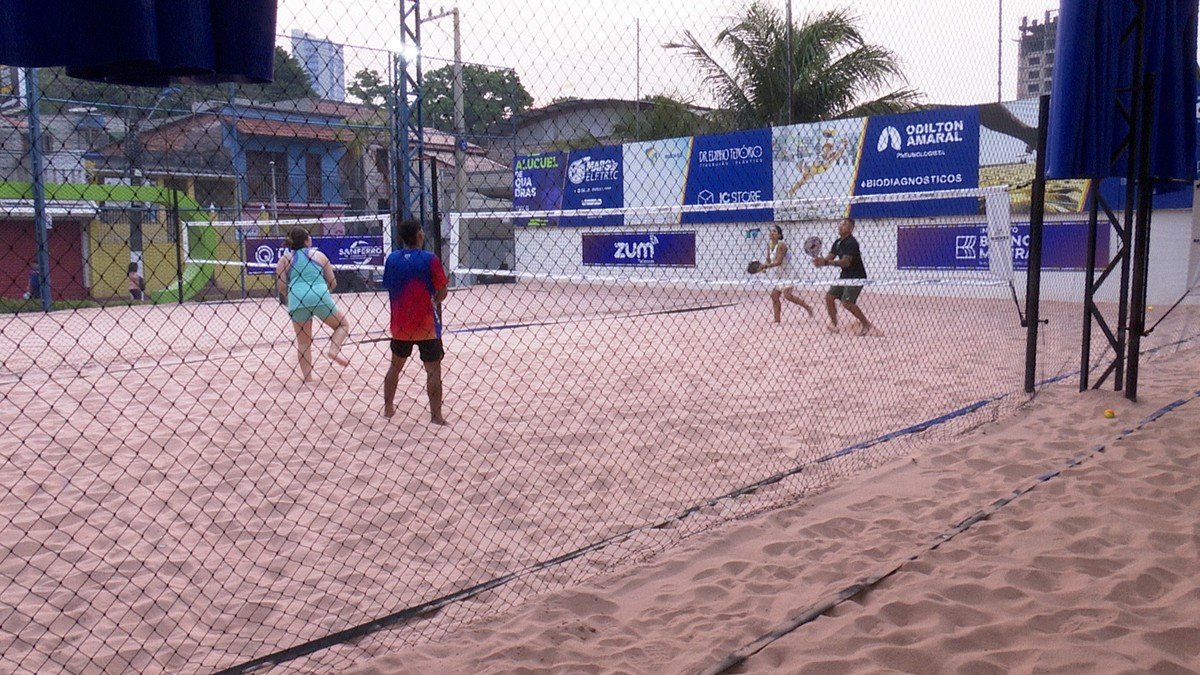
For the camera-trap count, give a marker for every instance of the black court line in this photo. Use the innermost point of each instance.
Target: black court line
(432, 606)
(740, 656)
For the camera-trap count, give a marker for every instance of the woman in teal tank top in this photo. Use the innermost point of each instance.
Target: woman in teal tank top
(304, 278)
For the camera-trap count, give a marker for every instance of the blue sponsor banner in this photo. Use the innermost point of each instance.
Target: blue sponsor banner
(595, 180)
(655, 249)
(729, 169)
(538, 185)
(264, 252)
(965, 247)
(919, 152)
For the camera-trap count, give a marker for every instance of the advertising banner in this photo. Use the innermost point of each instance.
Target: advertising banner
(640, 249)
(816, 164)
(594, 181)
(965, 247)
(655, 175)
(538, 185)
(729, 169)
(919, 152)
(264, 252)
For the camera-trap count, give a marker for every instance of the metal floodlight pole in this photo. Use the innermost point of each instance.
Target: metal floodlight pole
(41, 222)
(457, 93)
(460, 128)
(999, 50)
(788, 57)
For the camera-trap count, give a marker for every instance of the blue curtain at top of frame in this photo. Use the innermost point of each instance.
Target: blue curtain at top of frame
(143, 42)
(1094, 69)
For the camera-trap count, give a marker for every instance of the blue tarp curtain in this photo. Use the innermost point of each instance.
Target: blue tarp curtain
(1092, 66)
(143, 42)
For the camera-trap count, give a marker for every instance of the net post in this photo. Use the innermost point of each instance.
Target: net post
(1033, 287)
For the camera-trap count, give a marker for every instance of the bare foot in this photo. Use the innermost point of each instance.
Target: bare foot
(337, 358)
(832, 328)
(388, 410)
(441, 421)
(866, 328)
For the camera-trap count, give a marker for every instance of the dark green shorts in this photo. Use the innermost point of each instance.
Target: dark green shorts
(846, 293)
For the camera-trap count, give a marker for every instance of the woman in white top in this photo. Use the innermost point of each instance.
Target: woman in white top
(779, 266)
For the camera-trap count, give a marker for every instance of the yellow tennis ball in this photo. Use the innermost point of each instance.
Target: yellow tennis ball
(1110, 413)
(1151, 308)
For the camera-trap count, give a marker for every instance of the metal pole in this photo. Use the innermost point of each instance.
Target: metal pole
(788, 63)
(460, 145)
(274, 198)
(1089, 288)
(1141, 237)
(460, 129)
(999, 50)
(1037, 208)
(41, 224)
(179, 235)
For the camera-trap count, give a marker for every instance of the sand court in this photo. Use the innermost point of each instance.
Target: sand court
(1053, 540)
(177, 501)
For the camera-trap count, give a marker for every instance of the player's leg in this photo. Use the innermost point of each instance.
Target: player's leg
(791, 295)
(776, 307)
(850, 301)
(304, 337)
(400, 353)
(341, 329)
(831, 299)
(431, 357)
(433, 386)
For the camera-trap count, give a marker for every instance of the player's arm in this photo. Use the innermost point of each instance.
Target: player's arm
(281, 273)
(440, 282)
(326, 270)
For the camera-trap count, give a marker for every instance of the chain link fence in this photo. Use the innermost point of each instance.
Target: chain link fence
(193, 480)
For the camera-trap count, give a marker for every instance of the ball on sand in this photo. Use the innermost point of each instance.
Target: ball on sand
(1110, 413)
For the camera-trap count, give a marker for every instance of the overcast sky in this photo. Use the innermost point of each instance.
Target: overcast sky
(613, 49)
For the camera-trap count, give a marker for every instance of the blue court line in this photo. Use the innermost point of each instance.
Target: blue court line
(740, 656)
(427, 608)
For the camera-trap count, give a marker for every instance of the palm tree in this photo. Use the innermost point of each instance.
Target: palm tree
(833, 70)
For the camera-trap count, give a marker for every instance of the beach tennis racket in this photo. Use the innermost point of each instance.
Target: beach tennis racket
(754, 267)
(812, 247)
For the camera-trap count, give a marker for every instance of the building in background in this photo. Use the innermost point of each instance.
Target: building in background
(1035, 55)
(322, 60)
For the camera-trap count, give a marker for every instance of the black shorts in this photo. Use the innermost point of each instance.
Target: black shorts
(431, 350)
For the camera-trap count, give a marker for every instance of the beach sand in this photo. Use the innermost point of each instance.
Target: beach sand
(1053, 540)
(174, 501)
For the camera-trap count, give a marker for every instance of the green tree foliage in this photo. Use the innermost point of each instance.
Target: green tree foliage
(368, 86)
(489, 96)
(662, 117)
(60, 91)
(835, 73)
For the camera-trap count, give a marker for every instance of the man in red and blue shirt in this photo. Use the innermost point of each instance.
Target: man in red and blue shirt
(415, 280)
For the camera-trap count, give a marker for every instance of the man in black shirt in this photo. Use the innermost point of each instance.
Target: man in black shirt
(846, 255)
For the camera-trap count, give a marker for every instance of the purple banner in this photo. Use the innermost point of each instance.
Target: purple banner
(965, 247)
(264, 252)
(636, 249)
